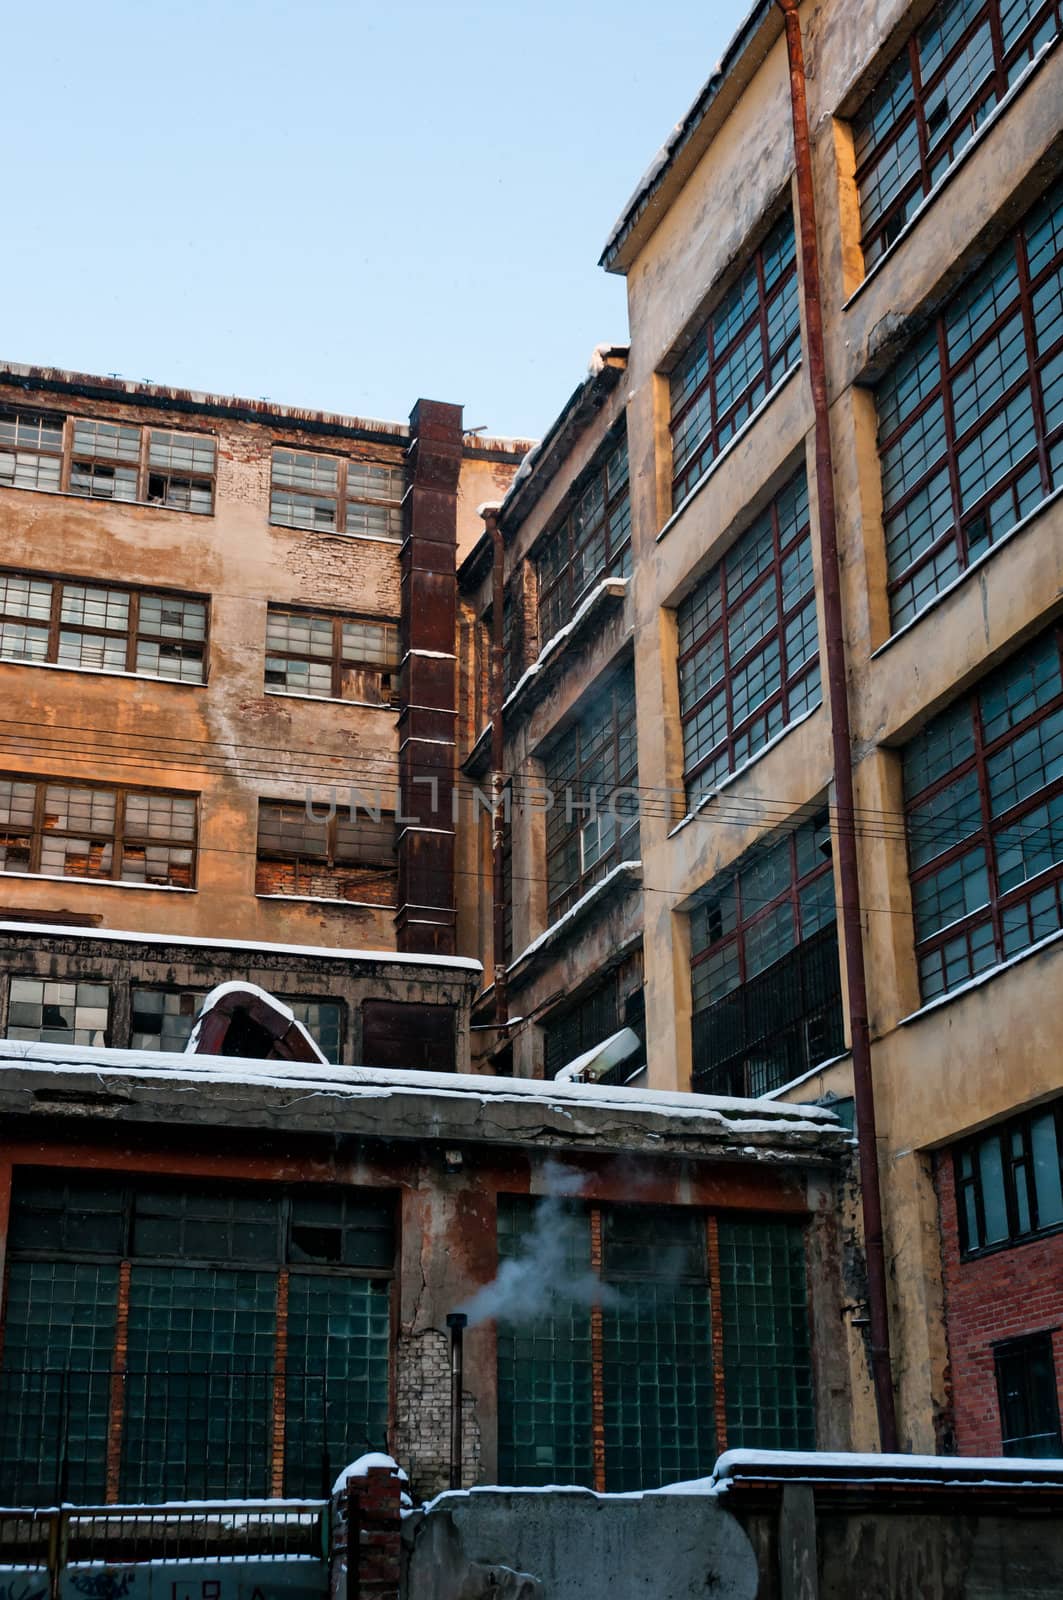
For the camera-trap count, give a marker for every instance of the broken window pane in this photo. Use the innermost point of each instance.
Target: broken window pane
(58, 1013)
(108, 441)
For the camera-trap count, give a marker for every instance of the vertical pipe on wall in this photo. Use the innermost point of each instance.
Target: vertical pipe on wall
(456, 1322)
(496, 694)
(848, 865)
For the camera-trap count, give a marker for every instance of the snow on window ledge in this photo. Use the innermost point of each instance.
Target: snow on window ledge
(751, 761)
(631, 870)
(609, 589)
(98, 883)
(982, 977)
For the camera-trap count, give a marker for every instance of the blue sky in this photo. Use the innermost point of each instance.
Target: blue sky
(341, 206)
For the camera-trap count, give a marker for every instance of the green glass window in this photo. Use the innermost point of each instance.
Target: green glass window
(657, 1379)
(55, 1383)
(544, 1368)
(199, 1382)
(336, 1381)
(767, 1355)
(591, 543)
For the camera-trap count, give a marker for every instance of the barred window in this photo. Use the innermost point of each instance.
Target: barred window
(592, 827)
(766, 982)
(1009, 1180)
(58, 1012)
(107, 460)
(74, 830)
(331, 657)
(934, 95)
(748, 646)
(984, 803)
(105, 628)
(971, 416)
(340, 857)
(593, 541)
(749, 343)
(336, 494)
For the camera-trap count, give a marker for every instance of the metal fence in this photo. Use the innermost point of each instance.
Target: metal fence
(52, 1541)
(166, 1433)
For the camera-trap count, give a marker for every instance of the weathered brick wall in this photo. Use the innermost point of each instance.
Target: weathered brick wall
(422, 1415)
(1004, 1295)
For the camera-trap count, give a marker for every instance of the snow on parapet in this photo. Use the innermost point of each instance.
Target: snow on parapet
(333, 952)
(615, 587)
(582, 904)
(489, 506)
(728, 1113)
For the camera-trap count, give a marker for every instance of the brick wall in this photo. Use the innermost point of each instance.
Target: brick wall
(1004, 1295)
(422, 1415)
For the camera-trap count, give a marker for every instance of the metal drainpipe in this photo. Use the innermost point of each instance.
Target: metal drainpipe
(498, 814)
(456, 1322)
(848, 865)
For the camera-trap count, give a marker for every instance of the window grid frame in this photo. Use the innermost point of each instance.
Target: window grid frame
(1004, 1132)
(305, 864)
(788, 682)
(620, 690)
(696, 462)
(134, 634)
(1030, 375)
(559, 597)
(118, 839)
(882, 231)
(989, 829)
(341, 497)
(337, 659)
(69, 457)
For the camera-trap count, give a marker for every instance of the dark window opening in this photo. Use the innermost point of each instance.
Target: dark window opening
(1009, 1181)
(1029, 1400)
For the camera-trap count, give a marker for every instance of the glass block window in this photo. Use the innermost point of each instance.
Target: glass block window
(544, 1366)
(323, 1020)
(766, 1345)
(332, 657)
(984, 806)
(970, 418)
(749, 343)
(1029, 1398)
(336, 494)
(765, 975)
(657, 1378)
(200, 1357)
(748, 646)
(105, 629)
(77, 831)
(31, 450)
(592, 541)
(58, 1012)
(1009, 1181)
(337, 1376)
(163, 1018)
(223, 1282)
(593, 774)
(55, 1382)
(340, 858)
(932, 97)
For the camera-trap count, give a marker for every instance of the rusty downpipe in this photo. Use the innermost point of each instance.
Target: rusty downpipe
(456, 1322)
(837, 678)
(496, 695)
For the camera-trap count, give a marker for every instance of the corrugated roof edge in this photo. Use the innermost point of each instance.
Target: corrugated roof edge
(661, 165)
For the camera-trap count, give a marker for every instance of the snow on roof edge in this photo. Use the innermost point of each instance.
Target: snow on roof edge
(337, 952)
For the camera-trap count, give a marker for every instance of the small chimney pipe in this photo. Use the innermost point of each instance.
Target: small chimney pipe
(457, 1322)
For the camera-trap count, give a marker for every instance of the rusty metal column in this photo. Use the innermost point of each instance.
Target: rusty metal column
(426, 918)
(496, 695)
(845, 811)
